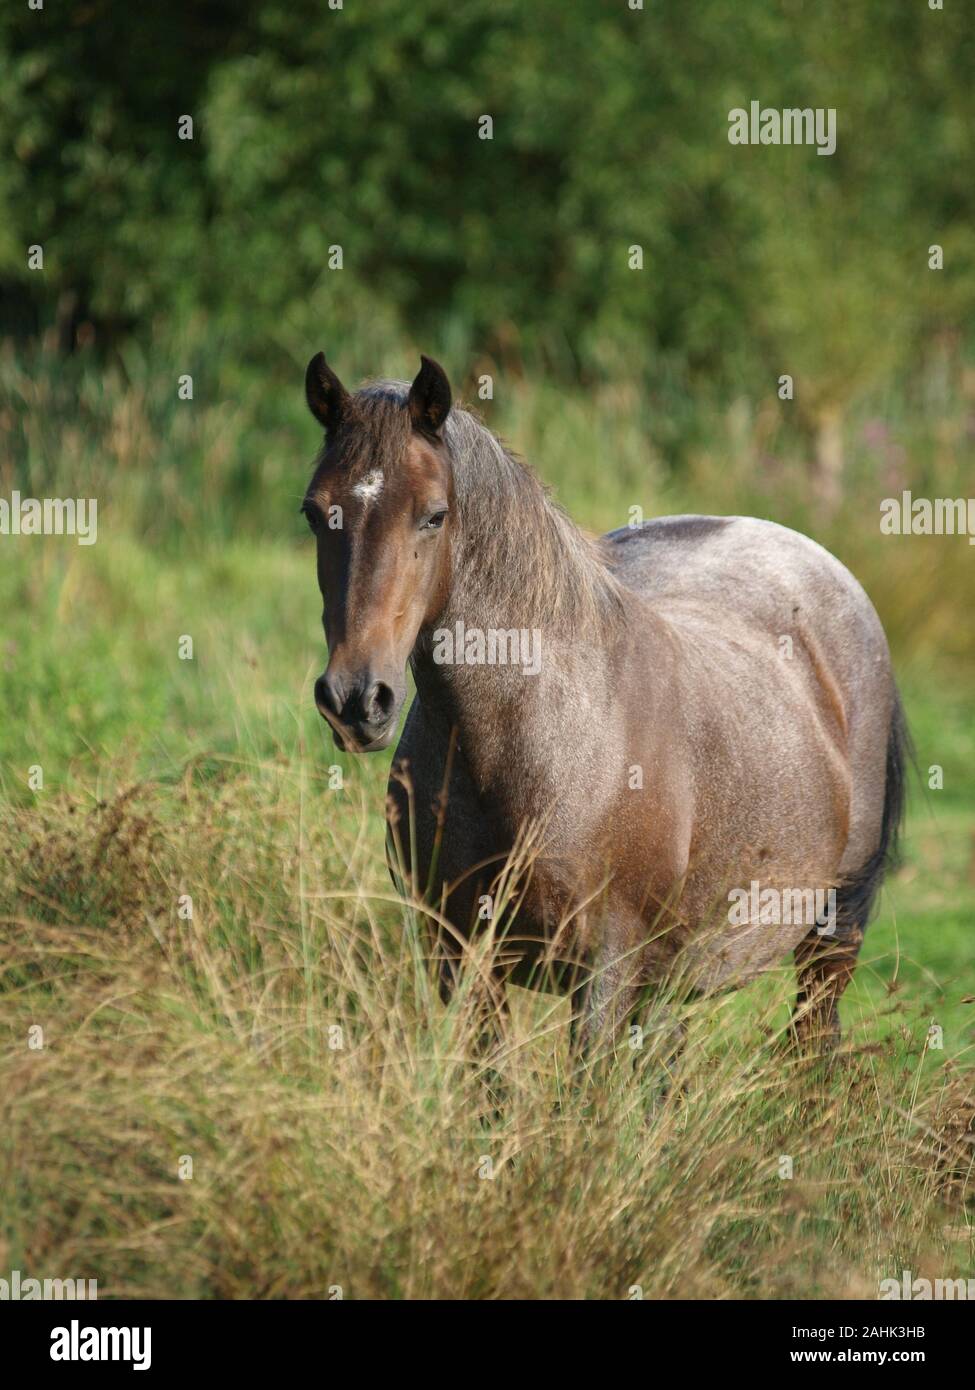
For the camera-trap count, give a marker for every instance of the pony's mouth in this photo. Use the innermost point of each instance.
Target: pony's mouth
(371, 741)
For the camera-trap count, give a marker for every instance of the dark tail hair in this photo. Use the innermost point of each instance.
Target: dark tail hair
(855, 897)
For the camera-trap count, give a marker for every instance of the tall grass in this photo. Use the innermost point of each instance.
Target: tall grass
(283, 1033)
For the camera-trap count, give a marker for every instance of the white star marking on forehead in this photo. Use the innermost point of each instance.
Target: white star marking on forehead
(370, 487)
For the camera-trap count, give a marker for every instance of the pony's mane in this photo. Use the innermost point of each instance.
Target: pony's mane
(515, 545)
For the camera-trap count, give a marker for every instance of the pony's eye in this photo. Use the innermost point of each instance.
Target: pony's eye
(434, 521)
(312, 515)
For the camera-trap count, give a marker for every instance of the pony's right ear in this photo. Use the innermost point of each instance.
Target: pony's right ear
(325, 394)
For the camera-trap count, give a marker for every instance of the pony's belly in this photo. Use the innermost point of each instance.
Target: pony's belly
(724, 962)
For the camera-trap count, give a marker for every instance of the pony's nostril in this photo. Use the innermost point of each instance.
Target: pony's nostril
(327, 697)
(379, 702)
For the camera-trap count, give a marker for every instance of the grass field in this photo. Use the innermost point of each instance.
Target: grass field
(279, 1030)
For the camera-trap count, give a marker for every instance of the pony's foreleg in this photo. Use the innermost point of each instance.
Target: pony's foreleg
(485, 1005)
(607, 1002)
(490, 1026)
(613, 1023)
(491, 1010)
(825, 966)
(488, 996)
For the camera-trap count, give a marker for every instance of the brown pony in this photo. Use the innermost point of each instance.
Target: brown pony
(694, 720)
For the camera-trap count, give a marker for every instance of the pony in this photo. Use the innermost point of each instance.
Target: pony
(691, 723)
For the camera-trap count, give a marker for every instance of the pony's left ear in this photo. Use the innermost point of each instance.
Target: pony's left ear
(429, 400)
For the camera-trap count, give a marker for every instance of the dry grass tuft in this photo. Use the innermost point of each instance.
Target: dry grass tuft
(287, 1038)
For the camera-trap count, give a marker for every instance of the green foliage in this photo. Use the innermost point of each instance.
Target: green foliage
(358, 127)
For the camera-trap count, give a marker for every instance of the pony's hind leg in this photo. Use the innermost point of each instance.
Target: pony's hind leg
(826, 962)
(825, 965)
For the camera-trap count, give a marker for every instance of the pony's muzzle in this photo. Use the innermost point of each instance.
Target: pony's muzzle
(361, 710)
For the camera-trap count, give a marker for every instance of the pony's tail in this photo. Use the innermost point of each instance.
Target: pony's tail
(855, 897)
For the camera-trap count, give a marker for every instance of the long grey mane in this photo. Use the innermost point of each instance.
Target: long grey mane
(515, 547)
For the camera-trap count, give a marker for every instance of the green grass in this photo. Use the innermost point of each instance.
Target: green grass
(359, 1165)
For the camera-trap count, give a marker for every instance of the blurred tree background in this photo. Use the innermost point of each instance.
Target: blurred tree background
(336, 193)
(357, 127)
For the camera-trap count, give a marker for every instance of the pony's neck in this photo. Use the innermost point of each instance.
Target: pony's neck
(524, 582)
(517, 560)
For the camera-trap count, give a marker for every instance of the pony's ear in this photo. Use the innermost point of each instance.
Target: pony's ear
(325, 394)
(429, 400)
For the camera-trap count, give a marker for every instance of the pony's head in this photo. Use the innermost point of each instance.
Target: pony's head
(379, 503)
